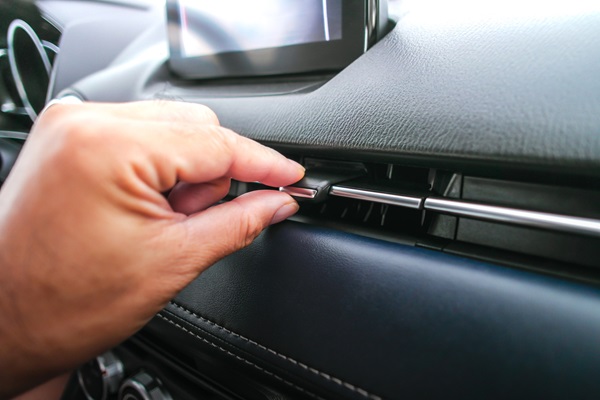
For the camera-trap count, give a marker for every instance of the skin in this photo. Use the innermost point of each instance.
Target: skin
(91, 247)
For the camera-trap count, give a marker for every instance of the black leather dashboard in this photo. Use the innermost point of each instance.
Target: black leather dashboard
(491, 89)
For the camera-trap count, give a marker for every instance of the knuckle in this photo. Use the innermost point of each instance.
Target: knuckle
(209, 114)
(68, 136)
(253, 227)
(77, 134)
(64, 128)
(178, 110)
(224, 135)
(54, 112)
(223, 139)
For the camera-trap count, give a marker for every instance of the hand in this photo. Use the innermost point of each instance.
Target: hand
(90, 247)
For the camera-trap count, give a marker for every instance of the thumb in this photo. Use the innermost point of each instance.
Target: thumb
(223, 229)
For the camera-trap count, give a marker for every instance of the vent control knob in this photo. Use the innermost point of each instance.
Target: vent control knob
(143, 386)
(101, 377)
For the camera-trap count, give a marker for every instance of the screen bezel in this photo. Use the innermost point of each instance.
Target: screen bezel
(307, 57)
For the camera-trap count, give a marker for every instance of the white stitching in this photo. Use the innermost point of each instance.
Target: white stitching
(328, 377)
(239, 358)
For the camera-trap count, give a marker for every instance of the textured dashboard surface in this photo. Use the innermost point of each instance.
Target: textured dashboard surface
(500, 82)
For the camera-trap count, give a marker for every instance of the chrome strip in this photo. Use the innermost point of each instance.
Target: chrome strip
(13, 135)
(12, 28)
(377, 197)
(534, 219)
(50, 46)
(299, 192)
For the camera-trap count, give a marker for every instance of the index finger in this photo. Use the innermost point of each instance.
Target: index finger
(181, 144)
(249, 163)
(198, 153)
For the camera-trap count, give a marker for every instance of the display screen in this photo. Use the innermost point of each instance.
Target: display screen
(212, 39)
(211, 27)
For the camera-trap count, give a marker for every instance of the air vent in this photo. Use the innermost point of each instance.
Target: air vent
(383, 197)
(440, 209)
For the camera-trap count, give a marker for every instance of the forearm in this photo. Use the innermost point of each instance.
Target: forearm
(13, 355)
(20, 369)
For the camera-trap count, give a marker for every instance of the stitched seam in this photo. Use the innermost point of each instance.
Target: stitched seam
(240, 358)
(205, 333)
(324, 375)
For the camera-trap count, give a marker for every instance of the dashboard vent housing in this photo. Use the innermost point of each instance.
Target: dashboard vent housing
(444, 210)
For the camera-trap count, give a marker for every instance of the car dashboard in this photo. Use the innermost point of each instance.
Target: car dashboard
(455, 252)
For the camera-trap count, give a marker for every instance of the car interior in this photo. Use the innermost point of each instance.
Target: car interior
(448, 239)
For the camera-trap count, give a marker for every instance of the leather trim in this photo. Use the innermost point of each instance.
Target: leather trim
(201, 322)
(238, 357)
(392, 319)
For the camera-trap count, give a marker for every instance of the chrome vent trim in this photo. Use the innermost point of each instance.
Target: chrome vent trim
(377, 197)
(513, 216)
(485, 212)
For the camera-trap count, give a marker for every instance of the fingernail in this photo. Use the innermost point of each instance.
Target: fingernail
(284, 212)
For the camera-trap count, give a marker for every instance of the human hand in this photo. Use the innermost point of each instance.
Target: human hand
(90, 247)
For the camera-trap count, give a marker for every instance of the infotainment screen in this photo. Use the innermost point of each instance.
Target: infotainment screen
(213, 27)
(232, 38)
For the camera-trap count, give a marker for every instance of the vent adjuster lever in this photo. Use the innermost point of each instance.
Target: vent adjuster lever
(317, 182)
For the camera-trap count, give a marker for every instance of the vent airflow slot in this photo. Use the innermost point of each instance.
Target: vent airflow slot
(366, 214)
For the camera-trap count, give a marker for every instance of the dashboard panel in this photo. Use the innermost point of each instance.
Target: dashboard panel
(491, 107)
